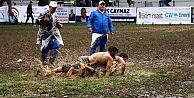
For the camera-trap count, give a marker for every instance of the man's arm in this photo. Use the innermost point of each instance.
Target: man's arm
(40, 19)
(122, 63)
(109, 64)
(89, 22)
(110, 26)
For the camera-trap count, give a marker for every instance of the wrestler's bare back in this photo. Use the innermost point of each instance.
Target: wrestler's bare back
(100, 58)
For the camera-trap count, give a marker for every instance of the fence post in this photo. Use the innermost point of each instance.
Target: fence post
(145, 4)
(173, 3)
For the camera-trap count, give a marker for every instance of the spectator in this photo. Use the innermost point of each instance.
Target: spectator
(162, 2)
(13, 18)
(21, 2)
(99, 22)
(29, 13)
(1, 2)
(130, 2)
(5, 1)
(83, 15)
(49, 35)
(71, 15)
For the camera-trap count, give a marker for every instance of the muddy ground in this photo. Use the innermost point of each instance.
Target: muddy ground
(153, 45)
(169, 45)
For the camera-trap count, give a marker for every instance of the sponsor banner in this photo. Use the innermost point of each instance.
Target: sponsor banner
(3, 14)
(121, 12)
(117, 14)
(62, 13)
(88, 10)
(72, 14)
(192, 14)
(124, 20)
(82, 13)
(20, 12)
(164, 15)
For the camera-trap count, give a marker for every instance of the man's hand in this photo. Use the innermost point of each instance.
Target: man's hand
(59, 25)
(90, 30)
(46, 19)
(112, 34)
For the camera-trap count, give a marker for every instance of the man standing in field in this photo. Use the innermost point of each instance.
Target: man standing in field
(99, 22)
(48, 35)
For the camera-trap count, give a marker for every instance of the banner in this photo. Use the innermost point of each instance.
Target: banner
(20, 13)
(82, 13)
(121, 12)
(116, 14)
(3, 14)
(164, 15)
(62, 13)
(72, 15)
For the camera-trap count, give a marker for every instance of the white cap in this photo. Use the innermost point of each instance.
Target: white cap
(101, 2)
(53, 4)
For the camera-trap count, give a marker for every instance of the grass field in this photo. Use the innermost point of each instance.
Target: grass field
(160, 65)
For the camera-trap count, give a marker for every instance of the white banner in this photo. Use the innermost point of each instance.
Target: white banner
(62, 13)
(88, 10)
(164, 15)
(121, 12)
(20, 12)
(3, 14)
(114, 12)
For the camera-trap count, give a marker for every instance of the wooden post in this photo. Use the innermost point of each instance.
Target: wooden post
(9, 7)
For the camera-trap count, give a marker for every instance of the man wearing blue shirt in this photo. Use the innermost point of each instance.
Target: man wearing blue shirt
(99, 22)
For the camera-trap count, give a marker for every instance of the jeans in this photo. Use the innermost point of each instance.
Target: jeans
(101, 41)
(53, 46)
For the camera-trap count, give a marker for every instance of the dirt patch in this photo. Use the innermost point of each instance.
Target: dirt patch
(153, 45)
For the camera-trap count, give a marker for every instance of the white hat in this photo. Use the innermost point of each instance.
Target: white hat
(101, 2)
(53, 4)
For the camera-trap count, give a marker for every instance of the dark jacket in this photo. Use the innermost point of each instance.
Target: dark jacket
(29, 9)
(72, 18)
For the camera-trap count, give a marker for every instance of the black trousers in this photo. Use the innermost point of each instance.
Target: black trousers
(28, 16)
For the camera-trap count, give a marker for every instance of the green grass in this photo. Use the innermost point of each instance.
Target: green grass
(167, 79)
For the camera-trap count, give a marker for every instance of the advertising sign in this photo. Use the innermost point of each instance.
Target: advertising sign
(3, 14)
(116, 14)
(164, 15)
